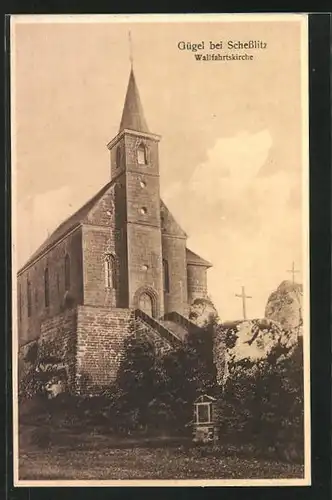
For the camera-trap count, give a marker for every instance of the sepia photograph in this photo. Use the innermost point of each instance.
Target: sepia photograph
(160, 254)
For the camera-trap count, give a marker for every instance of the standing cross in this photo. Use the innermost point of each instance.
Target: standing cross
(243, 296)
(293, 271)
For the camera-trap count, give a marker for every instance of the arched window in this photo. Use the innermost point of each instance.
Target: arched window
(142, 154)
(166, 275)
(110, 271)
(29, 297)
(46, 288)
(118, 158)
(67, 272)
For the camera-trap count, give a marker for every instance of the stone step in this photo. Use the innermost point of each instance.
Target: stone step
(179, 330)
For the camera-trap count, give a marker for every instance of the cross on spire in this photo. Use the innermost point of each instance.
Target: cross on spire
(293, 271)
(243, 296)
(131, 56)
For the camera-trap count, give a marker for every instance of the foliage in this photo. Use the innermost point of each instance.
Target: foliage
(260, 404)
(156, 391)
(203, 312)
(39, 374)
(262, 400)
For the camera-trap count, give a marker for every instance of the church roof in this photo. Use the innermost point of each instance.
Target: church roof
(80, 216)
(133, 115)
(168, 222)
(65, 227)
(196, 260)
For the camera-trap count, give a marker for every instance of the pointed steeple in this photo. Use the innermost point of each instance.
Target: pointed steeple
(132, 115)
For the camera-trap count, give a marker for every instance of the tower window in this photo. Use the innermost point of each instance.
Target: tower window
(166, 275)
(143, 210)
(29, 297)
(67, 272)
(110, 271)
(46, 288)
(118, 159)
(142, 154)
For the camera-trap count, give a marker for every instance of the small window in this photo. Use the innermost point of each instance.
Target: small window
(110, 271)
(166, 275)
(143, 210)
(141, 154)
(67, 273)
(29, 298)
(46, 288)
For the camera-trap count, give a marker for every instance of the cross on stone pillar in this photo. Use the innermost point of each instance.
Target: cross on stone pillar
(293, 271)
(243, 296)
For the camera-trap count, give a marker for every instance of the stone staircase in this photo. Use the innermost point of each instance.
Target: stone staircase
(173, 326)
(159, 327)
(180, 331)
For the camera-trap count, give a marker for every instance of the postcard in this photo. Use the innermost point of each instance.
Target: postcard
(160, 220)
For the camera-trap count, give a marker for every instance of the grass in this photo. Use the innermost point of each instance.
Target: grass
(98, 456)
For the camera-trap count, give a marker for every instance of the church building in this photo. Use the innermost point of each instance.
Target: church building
(121, 256)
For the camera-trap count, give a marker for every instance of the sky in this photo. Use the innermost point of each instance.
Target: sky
(231, 154)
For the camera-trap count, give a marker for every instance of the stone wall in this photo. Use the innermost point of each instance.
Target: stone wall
(197, 282)
(143, 221)
(174, 251)
(98, 242)
(58, 341)
(89, 343)
(29, 327)
(145, 264)
(132, 142)
(101, 334)
(101, 341)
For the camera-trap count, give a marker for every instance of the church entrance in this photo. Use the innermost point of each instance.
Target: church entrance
(145, 303)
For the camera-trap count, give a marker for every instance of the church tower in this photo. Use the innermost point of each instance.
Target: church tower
(135, 171)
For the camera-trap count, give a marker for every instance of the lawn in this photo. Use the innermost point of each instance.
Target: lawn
(101, 457)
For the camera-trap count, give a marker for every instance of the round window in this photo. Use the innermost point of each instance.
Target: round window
(145, 267)
(142, 184)
(143, 210)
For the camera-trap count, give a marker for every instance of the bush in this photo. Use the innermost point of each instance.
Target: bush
(262, 403)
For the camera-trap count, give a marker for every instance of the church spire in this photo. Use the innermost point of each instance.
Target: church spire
(132, 115)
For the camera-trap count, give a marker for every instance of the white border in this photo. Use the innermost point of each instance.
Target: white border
(153, 18)
(175, 18)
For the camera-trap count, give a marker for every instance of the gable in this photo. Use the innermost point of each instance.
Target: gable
(169, 224)
(101, 213)
(84, 214)
(99, 210)
(196, 260)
